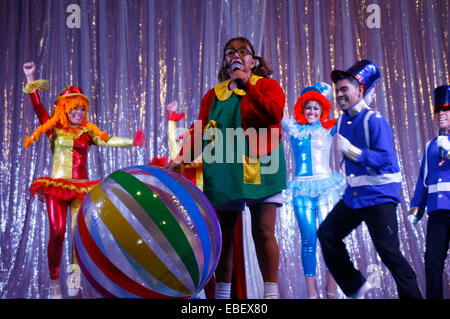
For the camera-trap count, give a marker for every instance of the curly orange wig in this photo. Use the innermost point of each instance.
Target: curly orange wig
(60, 119)
(299, 112)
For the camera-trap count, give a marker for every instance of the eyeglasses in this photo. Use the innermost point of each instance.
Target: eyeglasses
(241, 51)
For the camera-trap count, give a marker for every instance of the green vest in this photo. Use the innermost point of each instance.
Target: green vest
(228, 173)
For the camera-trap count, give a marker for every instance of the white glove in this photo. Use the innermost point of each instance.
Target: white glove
(442, 141)
(415, 214)
(344, 146)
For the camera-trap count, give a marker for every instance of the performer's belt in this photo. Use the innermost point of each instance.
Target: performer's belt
(439, 187)
(374, 180)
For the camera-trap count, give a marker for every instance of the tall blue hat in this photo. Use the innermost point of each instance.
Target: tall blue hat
(442, 98)
(365, 71)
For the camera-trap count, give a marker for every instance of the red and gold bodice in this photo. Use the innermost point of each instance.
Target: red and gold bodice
(70, 148)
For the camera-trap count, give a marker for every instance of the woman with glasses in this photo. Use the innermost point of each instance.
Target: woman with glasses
(243, 159)
(315, 189)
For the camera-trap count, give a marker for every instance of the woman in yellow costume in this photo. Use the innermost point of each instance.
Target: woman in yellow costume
(70, 136)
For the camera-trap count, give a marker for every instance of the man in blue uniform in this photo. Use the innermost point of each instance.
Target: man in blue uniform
(433, 193)
(373, 187)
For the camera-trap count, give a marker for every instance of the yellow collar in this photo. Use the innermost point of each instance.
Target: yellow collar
(223, 93)
(72, 133)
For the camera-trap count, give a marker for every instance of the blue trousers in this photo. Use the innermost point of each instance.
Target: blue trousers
(307, 210)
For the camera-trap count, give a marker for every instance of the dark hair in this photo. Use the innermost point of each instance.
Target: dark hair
(260, 69)
(439, 108)
(345, 76)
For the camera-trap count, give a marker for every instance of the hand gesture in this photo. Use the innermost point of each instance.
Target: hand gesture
(349, 151)
(240, 78)
(415, 214)
(139, 139)
(342, 144)
(443, 142)
(176, 166)
(29, 68)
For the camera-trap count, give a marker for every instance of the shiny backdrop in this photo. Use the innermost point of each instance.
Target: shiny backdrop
(132, 58)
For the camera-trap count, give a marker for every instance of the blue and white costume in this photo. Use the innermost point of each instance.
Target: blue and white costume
(433, 194)
(375, 177)
(433, 184)
(315, 189)
(365, 139)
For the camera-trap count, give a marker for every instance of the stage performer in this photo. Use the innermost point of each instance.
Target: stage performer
(365, 139)
(315, 189)
(433, 193)
(243, 160)
(70, 136)
(193, 171)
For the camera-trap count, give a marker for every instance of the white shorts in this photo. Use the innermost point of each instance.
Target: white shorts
(239, 204)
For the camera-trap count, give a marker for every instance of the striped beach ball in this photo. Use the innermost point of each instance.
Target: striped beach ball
(147, 232)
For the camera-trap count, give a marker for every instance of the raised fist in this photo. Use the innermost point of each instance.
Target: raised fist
(29, 68)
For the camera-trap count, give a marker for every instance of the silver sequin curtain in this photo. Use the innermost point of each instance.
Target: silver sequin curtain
(132, 58)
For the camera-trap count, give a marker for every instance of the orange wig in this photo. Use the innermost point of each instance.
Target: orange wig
(60, 119)
(299, 112)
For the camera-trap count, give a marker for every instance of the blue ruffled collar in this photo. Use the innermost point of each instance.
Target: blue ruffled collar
(300, 131)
